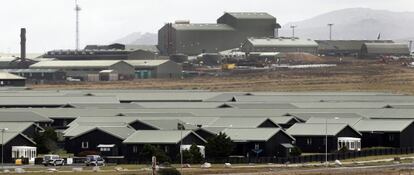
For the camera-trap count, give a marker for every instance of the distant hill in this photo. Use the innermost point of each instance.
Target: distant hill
(138, 38)
(356, 23)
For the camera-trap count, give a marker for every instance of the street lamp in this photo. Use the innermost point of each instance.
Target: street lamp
(330, 31)
(326, 140)
(2, 146)
(293, 30)
(181, 128)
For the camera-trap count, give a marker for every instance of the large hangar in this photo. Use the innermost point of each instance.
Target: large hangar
(229, 32)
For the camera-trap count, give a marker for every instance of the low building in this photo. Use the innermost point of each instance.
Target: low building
(156, 69)
(311, 137)
(260, 142)
(344, 47)
(8, 79)
(35, 76)
(169, 141)
(380, 50)
(114, 51)
(81, 69)
(282, 45)
(386, 133)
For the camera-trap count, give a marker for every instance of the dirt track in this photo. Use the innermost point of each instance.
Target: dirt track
(351, 76)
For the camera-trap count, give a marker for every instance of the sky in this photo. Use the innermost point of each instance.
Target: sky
(51, 23)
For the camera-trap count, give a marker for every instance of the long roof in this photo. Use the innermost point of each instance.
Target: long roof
(121, 132)
(382, 125)
(239, 122)
(162, 137)
(316, 129)
(146, 63)
(9, 76)
(252, 134)
(203, 27)
(387, 48)
(22, 116)
(281, 42)
(76, 63)
(251, 15)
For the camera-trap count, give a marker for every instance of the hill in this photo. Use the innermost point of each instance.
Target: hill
(356, 23)
(138, 38)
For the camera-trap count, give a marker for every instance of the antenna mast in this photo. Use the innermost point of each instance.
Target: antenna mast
(77, 9)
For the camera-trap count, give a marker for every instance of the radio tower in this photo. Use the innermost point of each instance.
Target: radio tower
(77, 9)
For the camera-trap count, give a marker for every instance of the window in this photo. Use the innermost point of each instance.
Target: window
(256, 146)
(391, 137)
(105, 149)
(309, 141)
(85, 145)
(166, 149)
(135, 149)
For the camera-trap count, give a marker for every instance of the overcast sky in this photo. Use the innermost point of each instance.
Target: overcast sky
(51, 23)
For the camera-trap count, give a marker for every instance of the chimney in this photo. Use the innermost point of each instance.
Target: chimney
(23, 44)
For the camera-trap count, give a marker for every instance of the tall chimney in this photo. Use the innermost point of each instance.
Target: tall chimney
(23, 44)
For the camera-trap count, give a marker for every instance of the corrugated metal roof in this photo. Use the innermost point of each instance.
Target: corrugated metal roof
(9, 76)
(121, 132)
(203, 27)
(251, 15)
(162, 137)
(329, 115)
(151, 48)
(75, 64)
(20, 116)
(387, 48)
(251, 134)
(316, 129)
(54, 100)
(378, 125)
(146, 63)
(31, 70)
(281, 42)
(351, 121)
(16, 126)
(238, 122)
(346, 45)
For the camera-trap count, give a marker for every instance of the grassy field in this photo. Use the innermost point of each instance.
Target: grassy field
(353, 75)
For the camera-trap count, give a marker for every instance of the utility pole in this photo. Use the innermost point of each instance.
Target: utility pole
(411, 46)
(293, 30)
(330, 31)
(77, 10)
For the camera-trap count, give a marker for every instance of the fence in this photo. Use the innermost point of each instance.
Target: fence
(315, 157)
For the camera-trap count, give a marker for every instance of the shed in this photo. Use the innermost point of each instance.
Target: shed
(81, 69)
(12, 139)
(282, 45)
(156, 69)
(377, 50)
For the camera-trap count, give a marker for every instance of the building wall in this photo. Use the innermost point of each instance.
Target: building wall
(94, 138)
(17, 141)
(169, 69)
(9, 82)
(407, 137)
(204, 41)
(124, 70)
(142, 55)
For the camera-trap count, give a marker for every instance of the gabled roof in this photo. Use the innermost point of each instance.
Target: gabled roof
(351, 121)
(54, 100)
(8, 136)
(252, 134)
(317, 129)
(283, 119)
(105, 105)
(166, 124)
(121, 132)
(262, 105)
(162, 137)
(382, 125)
(16, 126)
(307, 116)
(239, 122)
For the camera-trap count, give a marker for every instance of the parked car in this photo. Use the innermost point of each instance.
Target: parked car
(54, 160)
(94, 160)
